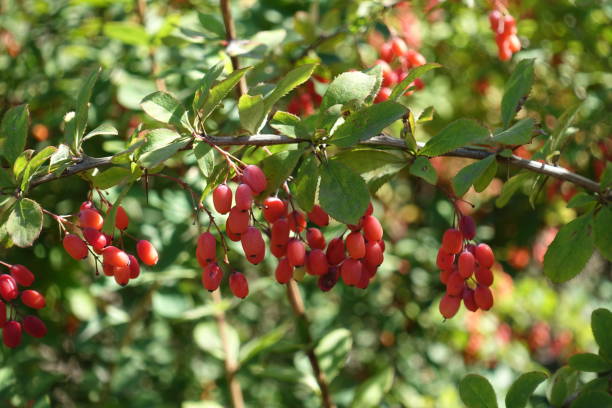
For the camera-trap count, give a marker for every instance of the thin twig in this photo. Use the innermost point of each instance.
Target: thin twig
(230, 35)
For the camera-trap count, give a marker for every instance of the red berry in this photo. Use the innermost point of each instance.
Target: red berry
(455, 284)
(278, 250)
(115, 257)
(418, 84)
(11, 334)
(316, 262)
(383, 95)
(90, 217)
(244, 197)
(415, 59)
(121, 219)
(22, 275)
(255, 178)
(230, 234)
(514, 43)
(75, 246)
(467, 226)
(108, 269)
(364, 280)
(389, 77)
(147, 252)
(280, 232)
(483, 297)
(399, 47)
(351, 271)
(8, 287)
(2, 314)
(484, 275)
(239, 285)
(211, 277)
(386, 52)
(253, 245)
(449, 305)
(372, 230)
(238, 220)
(335, 251)
(444, 275)
(495, 18)
(34, 326)
(134, 267)
(509, 25)
(468, 300)
(328, 281)
(33, 299)
(273, 209)
(284, 271)
(315, 238)
(206, 249)
(95, 238)
(445, 260)
(296, 253)
(222, 199)
(297, 222)
(355, 245)
(466, 264)
(504, 52)
(122, 274)
(452, 241)
(373, 255)
(318, 216)
(369, 210)
(484, 255)
(86, 205)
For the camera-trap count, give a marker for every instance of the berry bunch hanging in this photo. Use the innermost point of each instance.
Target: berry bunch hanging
(504, 27)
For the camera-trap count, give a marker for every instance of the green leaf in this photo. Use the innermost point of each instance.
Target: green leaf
(423, 168)
(519, 134)
(161, 144)
(206, 335)
(82, 111)
(261, 344)
(511, 186)
(469, 174)
(164, 108)
(524, 386)
(293, 79)
(215, 178)
(558, 138)
(476, 392)
(376, 72)
(427, 115)
(219, 91)
(251, 110)
(414, 73)
(373, 390)
(517, 87)
(22, 163)
(349, 86)
(14, 132)
(304, 188)
(457, 134)
(212, 24)
(375, 166)
(127, 32)
(332, 351)
(606, 177)
(206, 83)
(483, 181)
(570, 250)
(601, 324)
(589, 362)
(599, 399)
(285, 123)
(562, 385)
(103, 129)
(602, 225)
(205, 157)
(110, 177)
(367, 122)
(278, 167)
(581, 200)
(25, 222)
(409, 132)
(343, 193)
(34, 164)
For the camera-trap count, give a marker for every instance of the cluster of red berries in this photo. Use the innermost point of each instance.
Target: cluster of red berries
(306, 98)
(115, 261)
(396, 59)
(286, 230)
(13, 327)
(504, 27)
(465, 270)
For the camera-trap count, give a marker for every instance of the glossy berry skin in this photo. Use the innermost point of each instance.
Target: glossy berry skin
(466, 264)
(495, 18)
(484, 276)
(115, 256)
(484, 255)
(455, 284)
(284, 271)
(297, 221)
(222, 199)
(22, 275)
(134, 267)
(75, 246)
(95, 238)
(121, 274)
(364, 280)
(383, 94)
(468, 300)
(8, 287)
(315, 238)
(244, 197)
(415, 59)
(238, 220)
(280, 232)
(316, 262)
(34, 326)
(253, 245)
(2, 314)
(467, 226)
(11, 334)
(211, 277)
(483, 297)
(328, 281)
(231, 234)
(108, 270)
(449, 305)
(445, 260)
(372, 230)
(374, 255)
(399, 47)
(444, 275)
(514, 43)
(206, 249)
(386, 52)
(33, 299)
(90, 218)
(318, 216)
(296, 253)
(335, 251)
(273, 209)
(121, 219)
(147, 252)
(350, 270)
(239, 285)
(452, 241)
(278, 251)
(255, 178)
(355, 245)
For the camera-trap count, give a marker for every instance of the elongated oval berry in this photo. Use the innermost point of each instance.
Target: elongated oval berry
(90, 217)
(147, 252)
(399, 46)
(280, 232)
(2, 314)
(467, 226)
(211, 277)
(468, 300)
(364, 280)
(452, 241)
(121, 274)
(114, 256)
(244, 197)
(255, 178)
(75, 246)
(32, 298)
(355, 245)
(315, 238)
(121, 219)
(296, 253)
(34, 326)
(238, 220)
(483, 297)
(316, 262)
(279, 250)
(455, 284)
(283, 271)
(95, 238)
(273, 209)
(22, 275)
(484, 275)
(449, 305)
(239, 285)
(328, 281)
(466, 264)
(351, 271)
(8, 287)
(484, 255)
(134, 267)
(445, 260)
(444, 275)
(108, 269)
(335, 251)
(253, 245)
(231, 234)
(318, 216)
(374, 255)
(297, 222)
(11, 334)
(206, 249)
(222, 199)
(372, 229)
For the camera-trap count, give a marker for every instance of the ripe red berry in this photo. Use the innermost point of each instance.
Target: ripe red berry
(514, 43)
(452, 241)
(372, 230)
(222, 199)
(467, 226)
(445, 260)
(364, 280)
(278, 250)
(316, 262)
(318, 216)
(90, 217)
(444, 275)
(455, 284)
(33, 299)
(108, 269)
(121, 274)
(468, 300)
(11, 334)
(2, 314)
(373, 255)
(273, 209)
(121, 219)
(255, 178)
(383, 94)
(449, 305)
(483, 297)
(147, 252)
(34, 326)
(484, 276)
(211, 277)
(280, 232)
(355, 245)
(284, 271)
(22, 275)
(399, 47)
(206, 249)
(328, 281)
(297, 221)
(315, 238)
(238, 220)
(231, 234)
(239, 285)
(115, 256)
(95, 238)
(75, 246)
(466, 264)
(335, 251)
(495, 18)
(369, 210)
(8, 287)
(134, 267)
(296, 253)
(351, 271)
(386, 52)
(484, 255)
(244, 197)
(509, 25)
(415, 59)
(253, 245)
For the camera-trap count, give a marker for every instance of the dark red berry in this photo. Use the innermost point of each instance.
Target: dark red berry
(122, 274)
(33, 299)
(284, 271)
(452, 241)
(328, 281)
(315, 238)
(297, 222)
(466, 264)
(115, 256)
(467, 226)
(8, 287)
(280, 232)
(296, 253)
(318, 216)
(335, 251)
(95, 238)
(134, 267)
(455, 284)
(34, 326)
(483, 297)
(22, 275)
(449, 305)
(206, 249)
(351, 271)
(372, 230)
(239, 285)
(484, 276)
(238, 220)
(445, 260)
(253, 245)
(468, 300)
(316, 262)
(121, 219)
(11, 334)
(273, 209)
(211, 277)
(484, 255)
